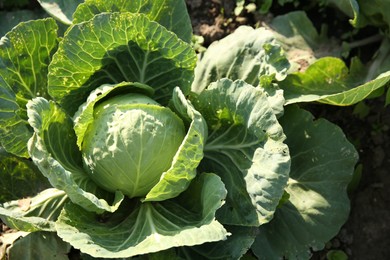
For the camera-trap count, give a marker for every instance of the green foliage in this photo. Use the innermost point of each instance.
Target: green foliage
(18, 178)
(233, 169)
(23, 78)
(296, 222)
(13, 3)
(329, 81)
(37, 245)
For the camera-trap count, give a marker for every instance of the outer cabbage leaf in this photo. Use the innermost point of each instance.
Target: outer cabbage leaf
(245, 148)
(24, 55)
(36, 213)
(322, 165)
(62, 10)
(53, 149)
(171, 14)
(116, 47)
(39, 245)
(329, 81)
(234, 247)
(148, 227)
(247, 55)
(295, 25)
(298, 37)
(300, 40)
(19, 177)
(183, 169)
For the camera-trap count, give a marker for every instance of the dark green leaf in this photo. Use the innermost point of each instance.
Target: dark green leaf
(372, 13)
(39, 245)
(297, 24)
(24, 57)
(8, 20)
(19, 178)
(321, 168)
(171, 14)
(233, 248)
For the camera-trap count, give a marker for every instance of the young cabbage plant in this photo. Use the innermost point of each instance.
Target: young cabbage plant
(165, 160)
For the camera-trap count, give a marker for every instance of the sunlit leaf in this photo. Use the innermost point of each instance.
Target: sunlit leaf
(171, 14)
(148, 227)
(25, 53)
(245, 147)
(139, 51)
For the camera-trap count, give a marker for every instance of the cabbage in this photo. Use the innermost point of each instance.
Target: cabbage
(148, 157)
(130, 143)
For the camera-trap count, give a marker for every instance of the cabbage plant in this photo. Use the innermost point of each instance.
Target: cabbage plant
(151, 151)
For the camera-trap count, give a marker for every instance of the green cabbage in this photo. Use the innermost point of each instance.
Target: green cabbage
(131, 142)
(148, 156)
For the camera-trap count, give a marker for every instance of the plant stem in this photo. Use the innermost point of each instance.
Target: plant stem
(366, 41)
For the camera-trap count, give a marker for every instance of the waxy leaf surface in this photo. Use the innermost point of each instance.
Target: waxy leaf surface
(245, 147)
(141, 228)
(171, 14)
(25, 53)
(322, 165)
(116, 47)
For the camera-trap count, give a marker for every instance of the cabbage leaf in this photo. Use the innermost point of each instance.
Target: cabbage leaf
(247, 55)
(116, 47)
(148, 227)
(25, 53)
(245, 147)
(34, 214)
(19, 177)
(171, 14)
(322, 163)
(329, 81)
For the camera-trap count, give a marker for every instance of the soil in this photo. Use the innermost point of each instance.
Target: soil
(366, 235)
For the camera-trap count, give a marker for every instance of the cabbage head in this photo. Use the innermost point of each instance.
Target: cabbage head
(130, 143)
